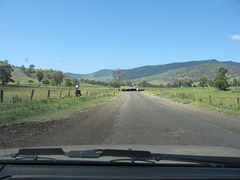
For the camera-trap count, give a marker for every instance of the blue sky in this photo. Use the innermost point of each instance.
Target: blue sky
(84, 36)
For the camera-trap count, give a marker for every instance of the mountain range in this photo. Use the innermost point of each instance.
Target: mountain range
(162, 74)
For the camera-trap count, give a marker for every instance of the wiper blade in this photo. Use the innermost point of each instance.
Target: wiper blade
(132, 154)
(214, 160)
(96, 153)
(38, 151)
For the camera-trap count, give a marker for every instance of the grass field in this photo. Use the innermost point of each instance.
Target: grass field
(224, 102)
(17, 106)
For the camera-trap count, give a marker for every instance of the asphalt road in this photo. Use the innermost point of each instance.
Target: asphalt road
(144, 120)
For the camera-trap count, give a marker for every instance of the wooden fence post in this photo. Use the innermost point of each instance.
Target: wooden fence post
(48, 95)
(68, 93)
(238, 101)
(32, 94)
(86, 93)
(210, 100)
(1, 96)
(60, 93)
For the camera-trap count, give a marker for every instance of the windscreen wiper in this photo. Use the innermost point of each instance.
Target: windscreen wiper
(133, 155)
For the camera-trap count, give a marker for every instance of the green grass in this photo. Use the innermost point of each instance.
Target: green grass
(17, 106)
(224, 102)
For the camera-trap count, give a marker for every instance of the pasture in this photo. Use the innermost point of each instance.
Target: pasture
(225, 102)
(17, 105)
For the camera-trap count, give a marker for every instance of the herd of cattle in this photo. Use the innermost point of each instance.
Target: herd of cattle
(131, 89)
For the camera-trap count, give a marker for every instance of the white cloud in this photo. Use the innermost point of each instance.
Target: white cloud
(235, 37)
(57, 58)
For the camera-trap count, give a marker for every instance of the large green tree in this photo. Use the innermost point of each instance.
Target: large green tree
(68, 82)
(58, 77)
(220, 81)
(203, 81)
(5, 73)
(40, 76)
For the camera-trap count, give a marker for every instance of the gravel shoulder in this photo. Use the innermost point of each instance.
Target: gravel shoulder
(90, 127)
(228, 122)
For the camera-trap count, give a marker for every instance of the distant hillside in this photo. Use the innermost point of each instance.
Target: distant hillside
(19, 76)
(105, 75)
(159, 74)
(168, 72)
(194, 73)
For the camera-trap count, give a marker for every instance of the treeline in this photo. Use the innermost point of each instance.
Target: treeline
(102, 83)
(45, 77)
(221, 82)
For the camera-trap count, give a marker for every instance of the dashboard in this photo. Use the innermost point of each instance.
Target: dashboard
(109, 172)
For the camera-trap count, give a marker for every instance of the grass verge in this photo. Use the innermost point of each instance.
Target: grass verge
(224, 102)
(19, 107)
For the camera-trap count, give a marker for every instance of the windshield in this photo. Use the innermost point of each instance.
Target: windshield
(153, 75)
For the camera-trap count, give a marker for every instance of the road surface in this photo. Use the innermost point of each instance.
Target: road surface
(133, 118)
(143, 120)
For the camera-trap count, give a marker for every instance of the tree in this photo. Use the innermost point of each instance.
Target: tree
(5, 73)
(58, 78)
(115, 84)
(186, 83)
(68, 82)
(210, 82)
(129, 83)
(75, 81)
(220, 81)
(30, 70)
(120, 74)
(40, 76)
(30, 81)
(235, 82)
(54, 83)
(23, 68)
(31, 66)
(203, 81)
(46, 82)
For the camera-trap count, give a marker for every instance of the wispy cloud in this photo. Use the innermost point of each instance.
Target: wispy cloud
(235, 37)
(57, 58)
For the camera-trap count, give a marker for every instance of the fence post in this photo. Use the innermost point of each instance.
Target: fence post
(86, 93)
(1, 96)
(68, 93)
(32, 94)
(210, 100)
(193, 95)
(48, 95)
(60, 93)
(238, 101)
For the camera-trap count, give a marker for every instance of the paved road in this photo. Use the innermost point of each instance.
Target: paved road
(143, 120)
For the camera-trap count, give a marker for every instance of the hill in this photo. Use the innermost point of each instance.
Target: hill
(21, 75)
(167, 73)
